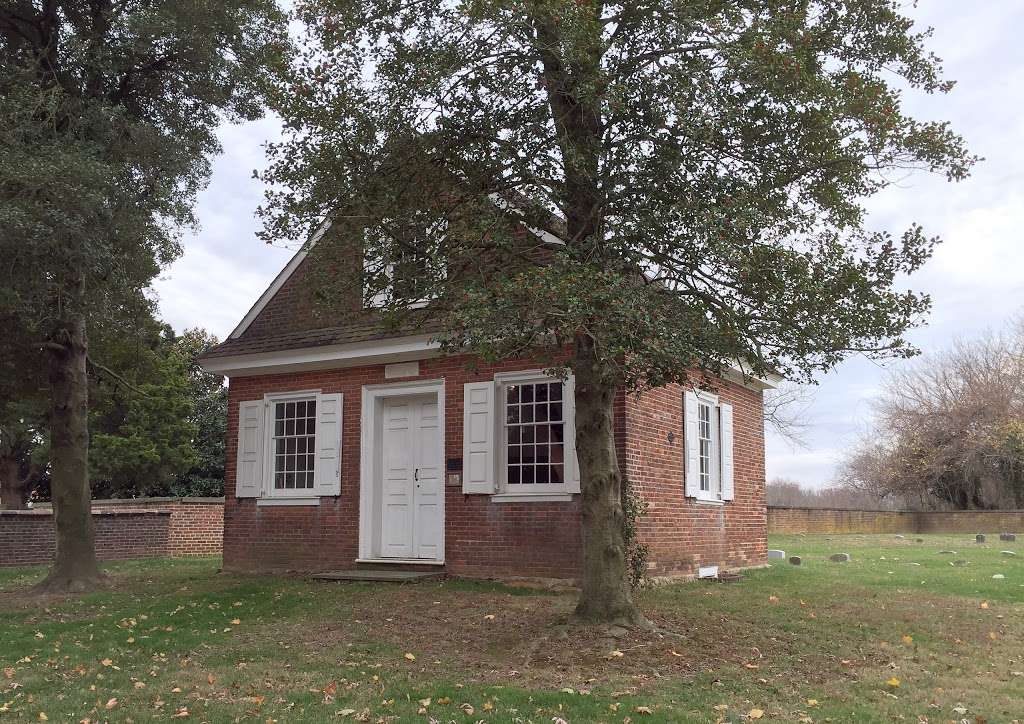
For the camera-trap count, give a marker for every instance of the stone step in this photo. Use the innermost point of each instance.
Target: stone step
(379, 575)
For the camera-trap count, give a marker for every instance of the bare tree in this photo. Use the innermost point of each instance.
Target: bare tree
(787, 412)
(950, 428)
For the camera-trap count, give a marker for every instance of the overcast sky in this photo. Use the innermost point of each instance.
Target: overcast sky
(976, 277)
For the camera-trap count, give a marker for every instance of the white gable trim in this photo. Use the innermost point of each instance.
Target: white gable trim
(275, 286)
(381, 351)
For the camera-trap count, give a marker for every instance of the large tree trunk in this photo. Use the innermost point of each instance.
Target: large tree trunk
(13, 485)
(74, 565)
(605, 594)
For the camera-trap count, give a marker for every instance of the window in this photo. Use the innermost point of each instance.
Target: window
(404, 261)
(293, 443)
(534, 435)
(708, 436)
(709, 481)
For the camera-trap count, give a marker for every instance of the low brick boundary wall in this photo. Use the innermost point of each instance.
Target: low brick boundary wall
(832, 520)
(135, 528)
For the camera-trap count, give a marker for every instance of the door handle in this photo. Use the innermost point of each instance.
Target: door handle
(416, 475)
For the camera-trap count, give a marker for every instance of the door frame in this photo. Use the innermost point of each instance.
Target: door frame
(370, 417)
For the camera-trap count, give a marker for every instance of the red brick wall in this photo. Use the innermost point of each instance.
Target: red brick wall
(481, 537)
(143, 528)
(683, 534)
(485, 538)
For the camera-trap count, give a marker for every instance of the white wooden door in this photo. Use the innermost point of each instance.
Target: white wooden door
(412, 501)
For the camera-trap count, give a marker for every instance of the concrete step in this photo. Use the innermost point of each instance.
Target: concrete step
(379, 575)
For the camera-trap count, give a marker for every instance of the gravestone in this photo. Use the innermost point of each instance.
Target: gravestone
(795, 560)
(1011, 554)
(980, 538)
(776, 555)
(947, 553)
(1010, 537)
(839, 557)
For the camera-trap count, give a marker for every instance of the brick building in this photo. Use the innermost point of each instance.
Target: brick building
(349, 445)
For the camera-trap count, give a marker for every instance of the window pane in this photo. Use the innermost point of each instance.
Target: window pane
(512, 416)
(526, 413)
(557, 473)
(557, 432)
(513, 454)
(543, 474)
(542, 413)
(541, 393)
(527, 475)
(527, 452)
(527, 433)
(543, 433)
(513, 436)
(279, 427)
(527, 393)
(513, 474)
(542, 454)
(555, 411)
(512, 394)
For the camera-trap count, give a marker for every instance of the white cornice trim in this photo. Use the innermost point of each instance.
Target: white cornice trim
(381, 351)
(737, 373)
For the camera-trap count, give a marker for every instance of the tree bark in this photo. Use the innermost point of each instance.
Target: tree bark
(74, 566)
(13, 486)
(605, 595)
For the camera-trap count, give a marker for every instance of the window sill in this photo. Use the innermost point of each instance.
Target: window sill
(270, 502)
(532, 497)
(708, 501)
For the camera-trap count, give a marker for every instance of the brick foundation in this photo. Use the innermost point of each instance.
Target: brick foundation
(125, 529)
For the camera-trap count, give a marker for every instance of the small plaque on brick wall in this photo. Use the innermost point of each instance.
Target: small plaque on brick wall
(401, 369)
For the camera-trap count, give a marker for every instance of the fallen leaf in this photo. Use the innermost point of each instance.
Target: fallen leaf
(235, 621)
(43, 717)
(345, 712)
(616, 654)
(676, 653)
(721, 707)
(467, 708)
(907, 639)
(812, 702)
(410, 657)
(140, 684)
(893, 682)
(211, 679)
(984, 604)
(489, 617)
(181, 713)
(755, 714)
(488, 706)
(643, 710)
(773, 599)
(107, 662)
(111, 703)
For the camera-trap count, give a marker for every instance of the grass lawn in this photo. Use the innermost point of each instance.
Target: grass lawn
(817, 643)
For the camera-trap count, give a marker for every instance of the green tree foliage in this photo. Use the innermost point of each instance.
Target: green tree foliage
(109, 111)
(705, 161)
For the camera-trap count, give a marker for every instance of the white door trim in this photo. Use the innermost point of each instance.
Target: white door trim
(368, 442)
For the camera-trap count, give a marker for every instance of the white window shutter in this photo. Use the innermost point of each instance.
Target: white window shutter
(691, 451)
(327, 465)
(479, 438)
(725, 431)
(569, 406)
(251, 446)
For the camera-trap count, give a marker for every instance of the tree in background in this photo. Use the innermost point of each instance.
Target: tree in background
(950, 429)
(702, 162)
(109, 111)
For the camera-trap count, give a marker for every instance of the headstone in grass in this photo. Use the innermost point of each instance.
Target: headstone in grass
(919, 540)
(840, 557)
(980, 538)
(1011, 554)
(959, 563)
(999, 576)
(1009, 537)
(776, 555)
(899, 537)
(947, 553)
(796, 560)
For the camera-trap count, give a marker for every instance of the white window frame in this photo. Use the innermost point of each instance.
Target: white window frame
(267, 490)
(714, 493)
(539, 491)
(379, 301)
